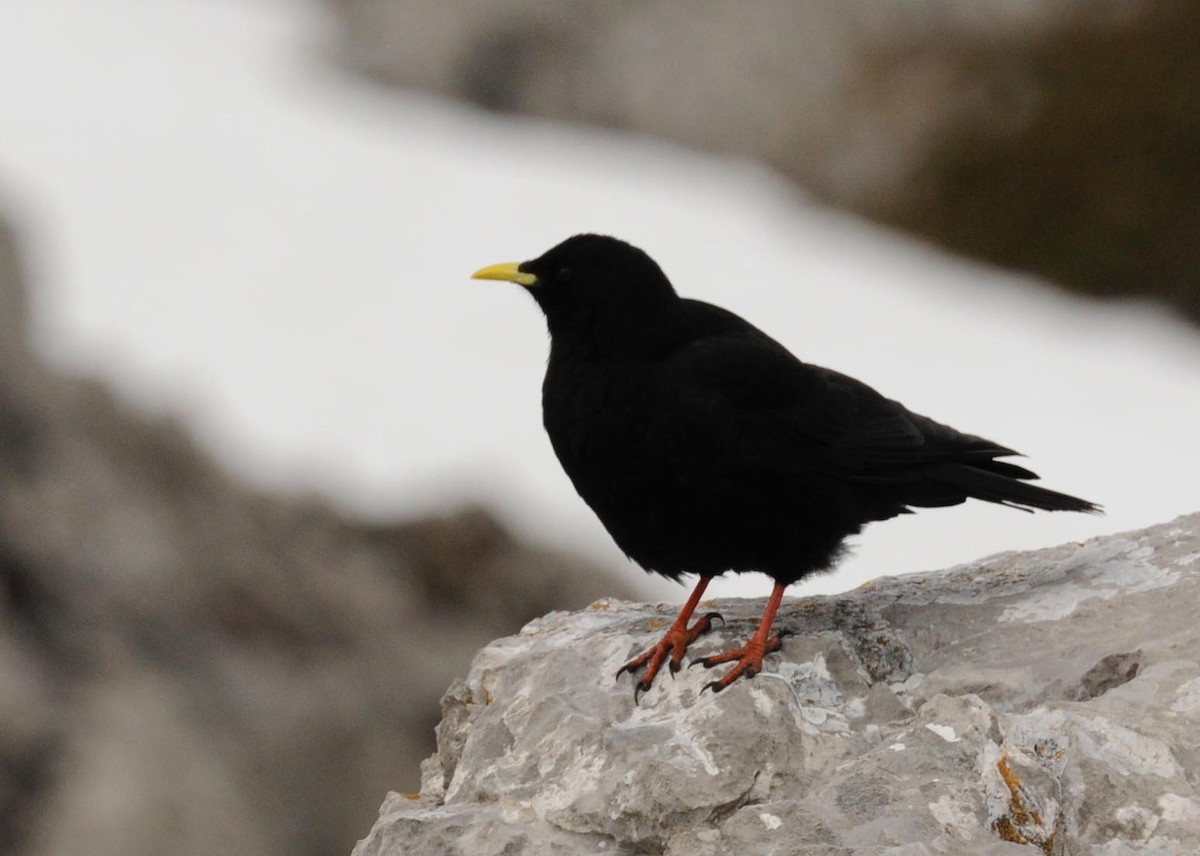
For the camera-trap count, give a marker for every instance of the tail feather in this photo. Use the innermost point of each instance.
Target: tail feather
(998, 482)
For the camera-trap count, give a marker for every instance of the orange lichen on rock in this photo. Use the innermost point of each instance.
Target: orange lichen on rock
(1023, 824)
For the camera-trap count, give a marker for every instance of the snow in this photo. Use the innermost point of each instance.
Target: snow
(230, 228)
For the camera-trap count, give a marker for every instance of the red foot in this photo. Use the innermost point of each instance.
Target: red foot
(675, 641)
(749, 659)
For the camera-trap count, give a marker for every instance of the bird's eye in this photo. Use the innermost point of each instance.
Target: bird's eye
(564, 274)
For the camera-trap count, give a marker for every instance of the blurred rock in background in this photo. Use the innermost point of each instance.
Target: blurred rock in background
(185, 660)
(1053, 136)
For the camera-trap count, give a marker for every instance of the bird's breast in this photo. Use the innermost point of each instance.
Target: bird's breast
(601, 425)
(591, 413)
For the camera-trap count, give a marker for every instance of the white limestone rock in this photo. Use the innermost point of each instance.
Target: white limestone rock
(1045, 701)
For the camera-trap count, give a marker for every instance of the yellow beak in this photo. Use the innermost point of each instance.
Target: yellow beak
(508, 272)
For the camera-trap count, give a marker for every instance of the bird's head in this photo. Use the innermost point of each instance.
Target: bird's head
(597, 293)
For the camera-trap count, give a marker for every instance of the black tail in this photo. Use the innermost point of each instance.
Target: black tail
(1008, 484)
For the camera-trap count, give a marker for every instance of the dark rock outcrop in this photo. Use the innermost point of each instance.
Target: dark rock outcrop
(1054, 137)
(192, 666)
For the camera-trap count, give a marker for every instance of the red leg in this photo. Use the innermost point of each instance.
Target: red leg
(750, 656)
(674, 641)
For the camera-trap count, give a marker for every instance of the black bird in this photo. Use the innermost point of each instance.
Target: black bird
(704, 446)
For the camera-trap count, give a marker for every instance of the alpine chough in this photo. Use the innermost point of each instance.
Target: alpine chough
(704, 446)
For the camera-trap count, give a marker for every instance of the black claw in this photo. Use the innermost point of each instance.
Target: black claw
(715, 616)
(715, 686)
(638, 689)
(784, 634)
(750, 672)
(674, 666)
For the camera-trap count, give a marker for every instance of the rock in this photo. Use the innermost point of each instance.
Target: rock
(192, 666)
(1051, 136)
(1045, 701)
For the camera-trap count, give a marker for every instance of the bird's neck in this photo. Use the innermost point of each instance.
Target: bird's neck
(599, 335)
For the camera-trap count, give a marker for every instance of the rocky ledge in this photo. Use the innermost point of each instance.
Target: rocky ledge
(1045, 701)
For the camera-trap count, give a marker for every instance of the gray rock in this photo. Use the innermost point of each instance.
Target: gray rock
(1045, 701)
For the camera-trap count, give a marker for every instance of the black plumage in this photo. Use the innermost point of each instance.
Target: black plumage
(704, 446)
